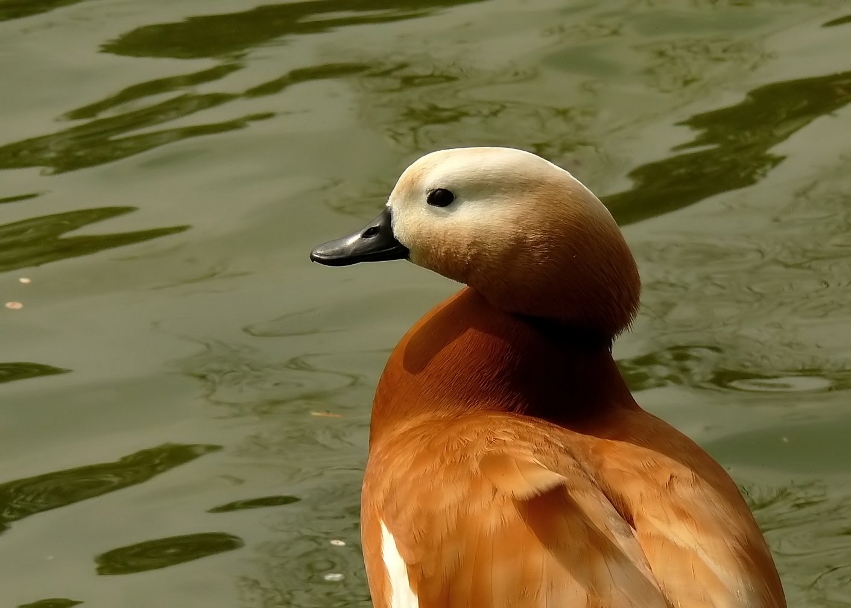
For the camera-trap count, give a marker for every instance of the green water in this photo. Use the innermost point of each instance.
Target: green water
(165, 168)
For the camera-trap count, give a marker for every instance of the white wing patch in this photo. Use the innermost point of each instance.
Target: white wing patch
(402, 596)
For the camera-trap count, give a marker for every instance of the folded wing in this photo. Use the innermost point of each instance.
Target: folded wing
(495, 521)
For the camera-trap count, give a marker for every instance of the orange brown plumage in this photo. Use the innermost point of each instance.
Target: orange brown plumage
(509, 464)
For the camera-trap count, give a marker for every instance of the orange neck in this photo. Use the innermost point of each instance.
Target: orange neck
(466, 356)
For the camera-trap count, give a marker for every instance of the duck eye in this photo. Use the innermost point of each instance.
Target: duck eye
(440, 197)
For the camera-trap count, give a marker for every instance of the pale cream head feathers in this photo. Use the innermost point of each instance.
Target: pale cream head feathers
(525, 233)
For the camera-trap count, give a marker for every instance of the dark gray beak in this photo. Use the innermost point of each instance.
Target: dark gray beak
(374, 243)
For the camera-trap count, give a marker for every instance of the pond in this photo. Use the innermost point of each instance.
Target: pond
(185, 397)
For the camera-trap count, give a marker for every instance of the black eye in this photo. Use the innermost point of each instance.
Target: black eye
(440, 197)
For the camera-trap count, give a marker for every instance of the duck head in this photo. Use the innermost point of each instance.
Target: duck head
(524, 233)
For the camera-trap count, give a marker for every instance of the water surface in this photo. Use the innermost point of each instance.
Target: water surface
(185, 397)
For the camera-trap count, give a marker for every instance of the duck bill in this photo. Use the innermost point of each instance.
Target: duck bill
(373, 243)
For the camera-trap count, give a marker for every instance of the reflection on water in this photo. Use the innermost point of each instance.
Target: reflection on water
(53, 602)
(731, 151)
(24, 497)
(735, 143)
(423, 104)
(318, 459)
(255, 503)
(299, 323)
(16, 9)
(683, 365)
(99, 141)
(20, 370)
(150, 88)
(809, 528)
(319, 72)
(39, 240)
(682, 64)
(838, 21)
(104, 140)
(708, 367)
(299, 565)
(19, 197)
(240, 379)
(734, 311)
(165, 552)
(744, 305)
(234, 33)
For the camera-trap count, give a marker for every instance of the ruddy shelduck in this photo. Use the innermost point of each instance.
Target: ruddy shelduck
(509, 465)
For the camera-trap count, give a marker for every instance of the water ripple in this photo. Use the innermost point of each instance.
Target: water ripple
(808, 526)
(240, 377)
(732, 147)
(707, 366)
(24, 497)
(254, 503)
(762, 311)
(301, 566)
(678, 65)
(11, 371)
(165, 552)
(150, 88)
(53, 602)
(838, 21)
(233, 33)
(17, 9)
(38, 240)
(19, 197)
(105, 139)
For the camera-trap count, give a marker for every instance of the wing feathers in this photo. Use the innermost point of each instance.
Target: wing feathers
(590, 547)
(494, 519)
(520, 478)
